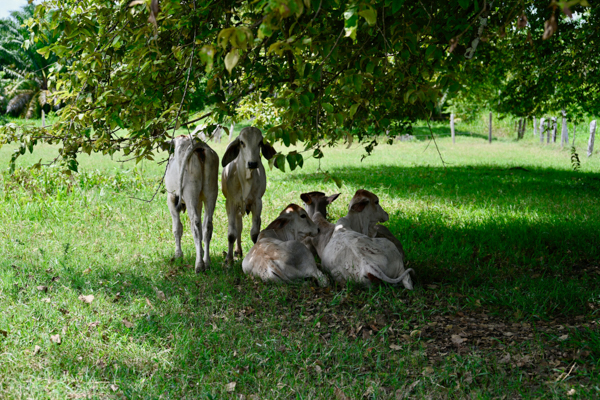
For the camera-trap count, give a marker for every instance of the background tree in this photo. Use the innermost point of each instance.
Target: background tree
(26, 88)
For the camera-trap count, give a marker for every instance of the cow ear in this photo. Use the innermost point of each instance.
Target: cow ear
(267, 150)
(233, 149)
(278, 223)
(332, 198)
(359, 205)
(306, 198)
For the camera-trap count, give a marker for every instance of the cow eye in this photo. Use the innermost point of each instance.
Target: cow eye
(303, 216)
(242, 143)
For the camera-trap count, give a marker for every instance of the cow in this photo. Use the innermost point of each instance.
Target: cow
(316, 201)
(351, 255)
(243, 182)
(191, 180)
(278, 255)
(364, 213)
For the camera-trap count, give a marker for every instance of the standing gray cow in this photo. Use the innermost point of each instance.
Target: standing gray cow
(191, 179)
(244, 182)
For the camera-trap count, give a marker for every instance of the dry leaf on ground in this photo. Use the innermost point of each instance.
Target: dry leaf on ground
(457, 339)
(87, 299)
(395, 347)
(114, 388)
(127, 323)
(340, 395)
(505, 359)
(36, 349)
(230, 387)
(401, 394)
(42, 288)
(150, 304)
(55, 339)
(161, 295)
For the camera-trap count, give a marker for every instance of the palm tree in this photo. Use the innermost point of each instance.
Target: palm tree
(25, 77)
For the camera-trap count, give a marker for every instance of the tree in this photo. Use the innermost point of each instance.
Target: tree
(325, 70)
(26, 89)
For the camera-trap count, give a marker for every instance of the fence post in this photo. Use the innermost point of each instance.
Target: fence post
(490, 134)
(452, 127)
(523, 127)
(542, 125)
(554, 129)
(43, 119)
(592, 137)
(535, 128)
(519, 129)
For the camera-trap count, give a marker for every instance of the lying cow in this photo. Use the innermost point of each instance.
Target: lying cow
(191, 180)
(316, 201)
(364, 213)
(350, 255)
(243, 182)
(278, 254)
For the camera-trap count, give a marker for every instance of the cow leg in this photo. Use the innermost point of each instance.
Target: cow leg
(194, 212)
(207, 228)
(239, 227)
(177, 227)
(256, 211)
(231, 229)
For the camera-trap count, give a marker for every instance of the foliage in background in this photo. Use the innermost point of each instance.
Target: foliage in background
(525, 75)
(25, 71)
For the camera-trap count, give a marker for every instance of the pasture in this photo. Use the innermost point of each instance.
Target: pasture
(505, 242)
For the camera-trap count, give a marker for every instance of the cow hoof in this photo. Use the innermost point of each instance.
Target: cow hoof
(178, 254)
(200, 268)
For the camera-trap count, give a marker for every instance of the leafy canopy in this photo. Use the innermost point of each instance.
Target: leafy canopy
(312, 71)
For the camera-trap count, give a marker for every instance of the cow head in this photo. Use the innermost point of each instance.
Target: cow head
(247, 148)
(296, 223)
(317, 202)
(365, 209)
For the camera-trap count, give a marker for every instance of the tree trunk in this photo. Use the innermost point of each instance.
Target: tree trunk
(490, 133)
(519, 129)
(535, 128)
(592, 137)
(523, 128)
(43, 119)
(554, 129)
(452, 128)
(542, 126)
(547, 127)
(231, 131)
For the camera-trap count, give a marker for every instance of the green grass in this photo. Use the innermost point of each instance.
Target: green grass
(506, 258)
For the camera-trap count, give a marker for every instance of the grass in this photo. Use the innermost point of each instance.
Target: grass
(504, 241)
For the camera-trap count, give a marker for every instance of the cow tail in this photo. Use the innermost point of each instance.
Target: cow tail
(186, 158)
(379, 274)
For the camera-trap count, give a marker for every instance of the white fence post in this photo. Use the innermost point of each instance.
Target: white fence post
(452, 128)
(542, 125)
(554, 129)
(535, 128)
(592, 137)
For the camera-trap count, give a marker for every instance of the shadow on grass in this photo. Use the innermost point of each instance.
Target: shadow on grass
(422, 133)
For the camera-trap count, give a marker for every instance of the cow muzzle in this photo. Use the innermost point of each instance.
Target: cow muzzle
(252, 164)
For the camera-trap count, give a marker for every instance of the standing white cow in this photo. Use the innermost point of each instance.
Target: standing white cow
(244, 182)
(364, 215)
(191, 179)
(278, 255)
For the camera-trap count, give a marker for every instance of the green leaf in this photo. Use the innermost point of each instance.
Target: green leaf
(327, 107)
(353, 109)
(280, 162)
(370, 15)
(231, 59)
(464, 3)
(397, 5)
(430, 50)
(291, 159)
